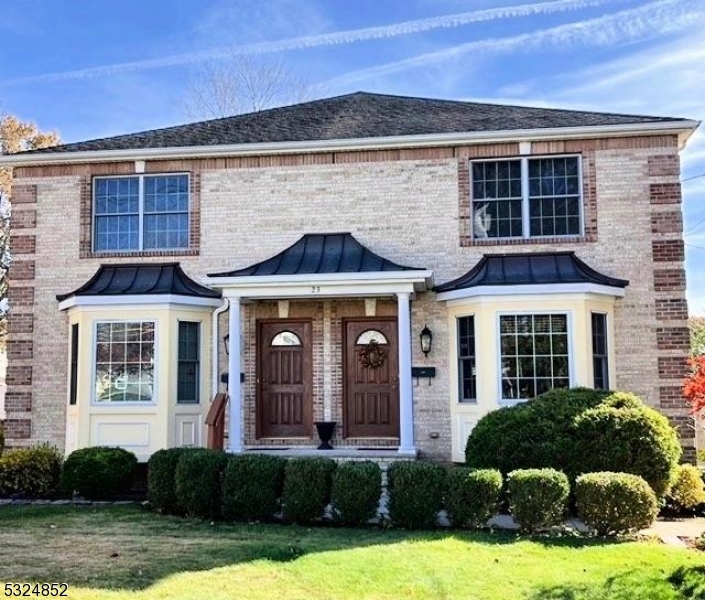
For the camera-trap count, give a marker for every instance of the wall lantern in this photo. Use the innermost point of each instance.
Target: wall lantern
(426, 340)
(226, 341)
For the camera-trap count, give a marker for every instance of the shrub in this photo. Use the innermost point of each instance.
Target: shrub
(2, 439)
(198, 479)
(98, 472)
(473, 496)
(252, 487)
(416, 491)
(307, 487)
(615, 503)
(627, 438)
(357, 487)
(687, 491)
(161, 479)
(32, 472)
(533, 434)
(538, 498)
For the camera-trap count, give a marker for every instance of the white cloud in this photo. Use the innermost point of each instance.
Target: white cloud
(326, 39)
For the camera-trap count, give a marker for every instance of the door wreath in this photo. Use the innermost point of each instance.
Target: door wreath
(372, 355)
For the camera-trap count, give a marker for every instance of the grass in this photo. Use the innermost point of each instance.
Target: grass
(124, 552)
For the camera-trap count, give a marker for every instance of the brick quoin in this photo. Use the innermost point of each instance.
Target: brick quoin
(673, 338)
(23, 244)
(20, 349)
(664, 165)
(672, 367)
(20, 323)
(18, 401)
(18, 429)
(669, 280)
(22, 270)
(671, 309)
(24, 219)
(671, 396)
(20, 296)
(19, 375)
(668, 250)
(665, 193)
(25, 193)
(670, 221)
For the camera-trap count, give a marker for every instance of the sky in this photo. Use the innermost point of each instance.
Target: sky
(95, 68)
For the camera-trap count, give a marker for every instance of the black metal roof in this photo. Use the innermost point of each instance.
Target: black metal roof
(355, 116)
(319, 253)
(141, 279)
(529, 269)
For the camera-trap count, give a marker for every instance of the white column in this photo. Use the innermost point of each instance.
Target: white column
(406, 398)
(234, 385)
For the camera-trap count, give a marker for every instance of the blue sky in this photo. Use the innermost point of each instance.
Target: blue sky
(90, 69)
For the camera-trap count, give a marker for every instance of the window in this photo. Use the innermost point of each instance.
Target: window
(371, 335)
(73, 378)
(141, 212)
(189, 364)
(124, 362)
(599, 351)
(286, 338)
(527, 197)
(467, 379)
(534, 354)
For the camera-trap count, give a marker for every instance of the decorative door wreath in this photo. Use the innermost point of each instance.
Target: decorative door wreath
(372, 355)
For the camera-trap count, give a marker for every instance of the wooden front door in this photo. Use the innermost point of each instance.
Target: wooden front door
(284, 375)
(371, 377)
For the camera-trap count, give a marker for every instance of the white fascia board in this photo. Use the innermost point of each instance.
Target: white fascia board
(153, 300)
(313, 290)
(526, 290)
(684, 128)
(328, 278)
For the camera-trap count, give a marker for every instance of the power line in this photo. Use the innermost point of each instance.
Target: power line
(698, 176)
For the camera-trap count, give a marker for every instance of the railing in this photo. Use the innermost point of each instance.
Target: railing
(215, 420)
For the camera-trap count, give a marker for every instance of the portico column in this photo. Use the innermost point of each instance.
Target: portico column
(234, 385)
(406, 399)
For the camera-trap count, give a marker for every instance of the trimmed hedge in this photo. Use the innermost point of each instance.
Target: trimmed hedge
(416, 491)
(32, 472)
(533, 434)
(252, 487)
(307, 488)
(473, 496)
(615, 503)
(198, 478)
(161, 479)
(687, 491)
(355, 494)
(99, 472)
(538, 498)
(2, 439)
(625, 436)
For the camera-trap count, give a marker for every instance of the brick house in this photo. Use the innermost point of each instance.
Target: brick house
(304, 250)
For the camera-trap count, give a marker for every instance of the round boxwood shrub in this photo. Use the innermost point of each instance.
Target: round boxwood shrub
(538, 498)
(473, 496)
(161, 479)
(623, 435)
(30, 472)
(307, 487)
(687, 491)
(2, 439)
(357, 487)
(416, 491)
(615, 503)
(198, 480)
(533, 434)
(252, 487)
(98, 472)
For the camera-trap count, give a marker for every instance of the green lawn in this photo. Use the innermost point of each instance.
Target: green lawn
(127, 553)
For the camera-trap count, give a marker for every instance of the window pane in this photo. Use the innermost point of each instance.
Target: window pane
(189, 363)
(538, 360)
(599, 351)
(554, 196)
(467, 376)
(497, 199)
(124, 359)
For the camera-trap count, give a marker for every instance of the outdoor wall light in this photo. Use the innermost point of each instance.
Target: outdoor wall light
(226, 341)
(426, 340)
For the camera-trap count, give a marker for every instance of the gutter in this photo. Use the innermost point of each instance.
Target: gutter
(684, 128)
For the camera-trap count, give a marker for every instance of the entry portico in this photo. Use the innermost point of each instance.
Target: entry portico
(332, 267)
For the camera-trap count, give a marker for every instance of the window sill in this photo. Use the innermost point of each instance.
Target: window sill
(141, 254)
(568, 239)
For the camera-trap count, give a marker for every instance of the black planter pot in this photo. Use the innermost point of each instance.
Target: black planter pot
(325, 432)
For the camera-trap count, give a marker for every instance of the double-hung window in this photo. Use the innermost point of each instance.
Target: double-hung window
(527, 197)
(189, 364)
(140, 212)
(467, 376)
(599, 351)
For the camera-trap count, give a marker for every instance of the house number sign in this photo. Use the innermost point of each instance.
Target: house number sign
(315, 289)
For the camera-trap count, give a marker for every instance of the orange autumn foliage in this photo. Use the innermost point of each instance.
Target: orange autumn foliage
(694, 384)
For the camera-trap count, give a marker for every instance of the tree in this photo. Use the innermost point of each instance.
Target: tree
(694, 384)
(242, 84)
(15, 136)
(697, 335)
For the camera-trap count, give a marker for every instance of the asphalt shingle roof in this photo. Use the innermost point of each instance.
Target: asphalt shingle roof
(140, 279)
(319, 253)
(355, 116)
(529, 269)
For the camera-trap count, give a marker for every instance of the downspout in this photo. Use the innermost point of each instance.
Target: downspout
(215, 379)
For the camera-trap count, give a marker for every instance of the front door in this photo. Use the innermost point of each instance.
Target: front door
(284, 375)
(371, 377)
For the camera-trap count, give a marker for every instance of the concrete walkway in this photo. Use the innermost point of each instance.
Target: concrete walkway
(671, 532)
